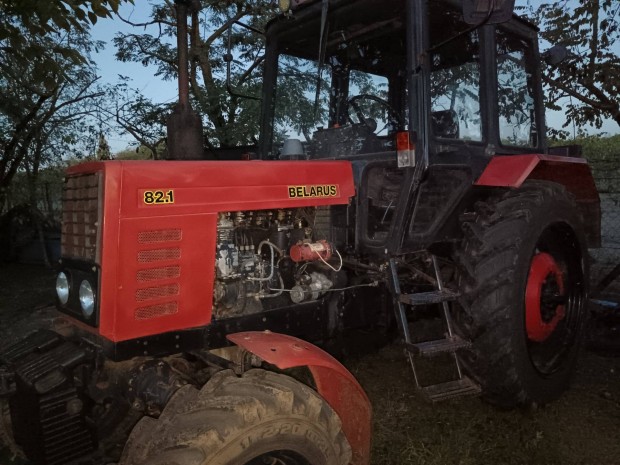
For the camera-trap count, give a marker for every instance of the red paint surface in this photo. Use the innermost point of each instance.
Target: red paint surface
(334, 382)
(543, 265)
(201, 189)
(573, 173)
(511, 171)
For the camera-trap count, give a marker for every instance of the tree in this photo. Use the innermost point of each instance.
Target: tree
(229, 119)
(21, 21)
(137, 116)
(42, 120)
(587, 84)
(47, 81)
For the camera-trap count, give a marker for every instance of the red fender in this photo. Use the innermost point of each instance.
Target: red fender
(334, 382)
(572, 173)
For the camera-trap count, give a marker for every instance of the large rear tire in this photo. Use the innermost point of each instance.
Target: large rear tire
(259, 418)
(523, 280)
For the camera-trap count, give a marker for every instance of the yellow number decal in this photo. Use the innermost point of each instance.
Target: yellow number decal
(158, 197)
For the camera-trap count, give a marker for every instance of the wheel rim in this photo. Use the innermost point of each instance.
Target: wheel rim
(554, 298)
(544, 297)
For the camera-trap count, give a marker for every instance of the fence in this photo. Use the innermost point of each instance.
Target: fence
(606, 173)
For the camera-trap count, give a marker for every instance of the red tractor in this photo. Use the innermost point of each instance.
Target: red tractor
(424, 188)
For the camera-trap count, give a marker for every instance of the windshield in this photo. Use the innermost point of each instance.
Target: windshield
(343, 95)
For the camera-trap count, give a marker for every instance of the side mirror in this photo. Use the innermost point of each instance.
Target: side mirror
(555, 55)
(477, 12)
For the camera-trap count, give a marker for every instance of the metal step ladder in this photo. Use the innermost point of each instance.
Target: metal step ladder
(463, 386)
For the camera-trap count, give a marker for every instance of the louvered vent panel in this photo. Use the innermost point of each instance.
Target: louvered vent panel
(149, 293)
(153, 274)
(80, 217)
(164, 245)
(153, 311)
(158, 255)
(166, 235)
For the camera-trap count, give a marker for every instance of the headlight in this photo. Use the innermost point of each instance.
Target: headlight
(62, 288)
(87, 299)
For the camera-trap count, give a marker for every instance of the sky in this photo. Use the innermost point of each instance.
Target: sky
(143, 78)
(160, 91)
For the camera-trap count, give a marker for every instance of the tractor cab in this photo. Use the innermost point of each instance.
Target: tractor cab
(416, 94)
(343, 79)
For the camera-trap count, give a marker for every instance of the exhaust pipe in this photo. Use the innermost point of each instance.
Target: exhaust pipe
(185, 138)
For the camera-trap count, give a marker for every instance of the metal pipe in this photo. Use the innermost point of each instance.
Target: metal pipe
(181, 8)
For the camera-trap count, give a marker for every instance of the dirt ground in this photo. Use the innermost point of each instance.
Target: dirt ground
(583, 427)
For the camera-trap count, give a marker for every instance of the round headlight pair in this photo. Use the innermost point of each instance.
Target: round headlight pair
(86, 294)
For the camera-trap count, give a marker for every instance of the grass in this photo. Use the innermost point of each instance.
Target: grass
(582, 427)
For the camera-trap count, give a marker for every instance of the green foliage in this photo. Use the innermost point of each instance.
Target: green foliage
(603, 155)
(228, 121)
(601, 148)
(24, 24)
(140, 153)
(46, 190)
(47, 82)
(587, 84)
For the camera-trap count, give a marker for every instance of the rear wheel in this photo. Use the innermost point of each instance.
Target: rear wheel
(260, 418)
(523, 280)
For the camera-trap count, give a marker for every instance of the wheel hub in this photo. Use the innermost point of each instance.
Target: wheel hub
(544, 297)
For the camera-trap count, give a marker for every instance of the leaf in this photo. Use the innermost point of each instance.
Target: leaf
(93, 17)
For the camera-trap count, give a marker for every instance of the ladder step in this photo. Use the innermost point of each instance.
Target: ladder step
(440, 346)
(427, 298)
(451, 389)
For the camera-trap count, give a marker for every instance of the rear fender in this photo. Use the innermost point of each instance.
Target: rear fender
(334, 382)
(572, 173)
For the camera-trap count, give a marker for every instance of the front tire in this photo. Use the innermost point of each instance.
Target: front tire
(523, 280)
(259, 418)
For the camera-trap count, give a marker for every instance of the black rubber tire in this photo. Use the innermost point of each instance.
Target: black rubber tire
(501, 238)
(237, 420)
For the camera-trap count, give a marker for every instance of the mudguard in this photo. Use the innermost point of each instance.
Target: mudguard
(334, 382)
(572, 173)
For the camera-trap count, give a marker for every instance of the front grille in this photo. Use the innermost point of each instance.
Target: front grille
(81, 217)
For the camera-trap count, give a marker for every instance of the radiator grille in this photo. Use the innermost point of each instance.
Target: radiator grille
(153, 274)
(81, 217)
(153, 311)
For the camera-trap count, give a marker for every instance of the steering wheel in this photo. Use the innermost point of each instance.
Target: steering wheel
(393, 116)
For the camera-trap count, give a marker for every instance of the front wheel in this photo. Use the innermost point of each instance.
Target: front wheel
(523, 280)
(259, 418)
